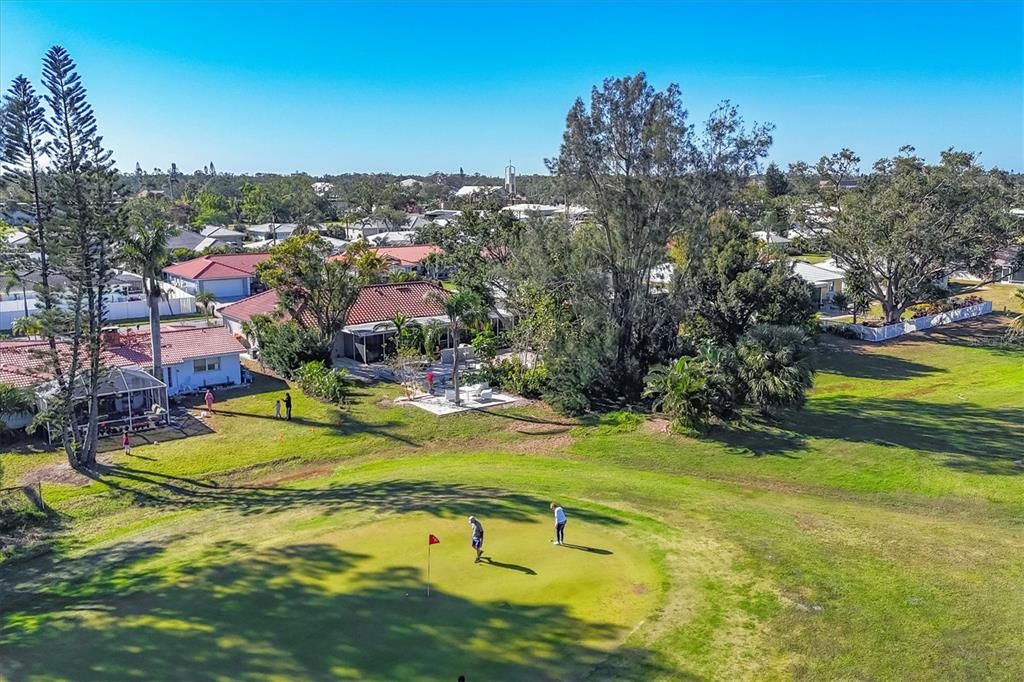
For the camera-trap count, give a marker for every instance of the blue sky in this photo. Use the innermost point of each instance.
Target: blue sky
(416, 87)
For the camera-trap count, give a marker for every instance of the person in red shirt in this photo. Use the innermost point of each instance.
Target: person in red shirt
(126, 443)
(430, 383)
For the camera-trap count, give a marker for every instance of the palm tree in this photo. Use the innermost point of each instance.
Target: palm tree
(13, 401)
(774, 366)
(678, 391)
(461, 307)
(145, 251)
(206, 301)
(399, 322)
(16, 280)
(26, 326)
(432, 333)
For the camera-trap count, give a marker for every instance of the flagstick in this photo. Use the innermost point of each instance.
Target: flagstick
(428, 569)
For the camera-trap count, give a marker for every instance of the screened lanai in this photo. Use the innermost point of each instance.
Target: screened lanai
(129, 400)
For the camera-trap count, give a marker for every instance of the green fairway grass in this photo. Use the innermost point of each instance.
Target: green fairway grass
(876, 534)
(302, 596)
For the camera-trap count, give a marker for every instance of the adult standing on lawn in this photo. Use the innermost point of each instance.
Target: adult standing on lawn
(126, 443)
(476, 539)
(559, 523)
(208, 399)
(288, 406)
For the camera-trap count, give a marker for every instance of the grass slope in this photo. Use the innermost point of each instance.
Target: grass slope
(877, 534)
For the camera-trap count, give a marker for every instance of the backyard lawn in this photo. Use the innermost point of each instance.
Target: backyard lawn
(876, 534)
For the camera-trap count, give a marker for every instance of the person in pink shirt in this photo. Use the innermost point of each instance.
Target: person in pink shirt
(209, 400)
(126, 443)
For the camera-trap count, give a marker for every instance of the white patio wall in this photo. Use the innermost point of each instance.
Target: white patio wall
(892, 331)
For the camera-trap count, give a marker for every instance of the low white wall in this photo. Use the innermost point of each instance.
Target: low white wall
(177, 302)
(892, 331)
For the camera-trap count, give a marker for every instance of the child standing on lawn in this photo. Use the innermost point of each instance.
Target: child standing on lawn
(126, 443)
(277, 409)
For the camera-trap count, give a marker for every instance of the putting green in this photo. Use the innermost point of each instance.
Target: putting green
(339, 600)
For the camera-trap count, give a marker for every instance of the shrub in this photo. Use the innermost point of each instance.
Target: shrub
(485, 345)
(320, 381)
(285, 347)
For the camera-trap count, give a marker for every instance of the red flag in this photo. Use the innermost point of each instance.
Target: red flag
(432, 540)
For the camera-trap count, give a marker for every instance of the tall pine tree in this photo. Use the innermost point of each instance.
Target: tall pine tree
(85, 228)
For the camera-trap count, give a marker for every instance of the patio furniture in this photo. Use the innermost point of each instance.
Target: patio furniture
(486, 394)
(449, 395)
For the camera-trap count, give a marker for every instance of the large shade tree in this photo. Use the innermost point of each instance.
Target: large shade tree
(648, 179)
(313, 288)
(909, 225)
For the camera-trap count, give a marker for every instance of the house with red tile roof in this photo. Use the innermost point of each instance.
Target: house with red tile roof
(407, 258)
(367, 324)
(228, 276)
(193, 357)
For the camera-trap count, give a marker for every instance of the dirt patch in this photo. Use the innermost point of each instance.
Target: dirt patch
(539, 444)
(657, 425)
(63, 473)
(539, 429)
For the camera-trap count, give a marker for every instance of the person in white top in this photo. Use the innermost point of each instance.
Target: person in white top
(559, 523)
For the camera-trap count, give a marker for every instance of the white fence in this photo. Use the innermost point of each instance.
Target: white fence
(891, 331)
(177, 302)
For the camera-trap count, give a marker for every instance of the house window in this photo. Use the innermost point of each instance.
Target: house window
(206, 365)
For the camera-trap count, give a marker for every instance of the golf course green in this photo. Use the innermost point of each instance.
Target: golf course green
(303, 595)
(874, 535)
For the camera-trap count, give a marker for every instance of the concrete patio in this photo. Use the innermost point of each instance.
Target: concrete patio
(441, 406)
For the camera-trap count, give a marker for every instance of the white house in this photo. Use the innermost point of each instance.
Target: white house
(827, 282)
(471, 190)
(194, 358)
(271, 230)
(228, 276)
(125, 298)
(770, 238)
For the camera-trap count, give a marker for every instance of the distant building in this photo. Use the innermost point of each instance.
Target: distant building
(272, 230)
(322, 189)
(770, 238)
(473, 190)
(185, 239)
(218, 234)
(827, 281)
(229, 277)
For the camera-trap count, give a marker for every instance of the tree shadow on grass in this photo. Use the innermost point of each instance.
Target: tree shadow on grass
(971, 437)
(151, 488)
(860, 360)
(303, 612)
(341, 422)
(968, 437)
(759, 439)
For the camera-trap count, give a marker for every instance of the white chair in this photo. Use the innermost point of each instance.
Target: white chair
(486, 394)
(449, 395)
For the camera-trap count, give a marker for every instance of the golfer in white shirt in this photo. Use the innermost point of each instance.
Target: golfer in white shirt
(559, 523)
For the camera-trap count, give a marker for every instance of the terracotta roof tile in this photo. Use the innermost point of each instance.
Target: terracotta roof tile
(23, 362)
(380, 302)
(218, 266)
(374, 303)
